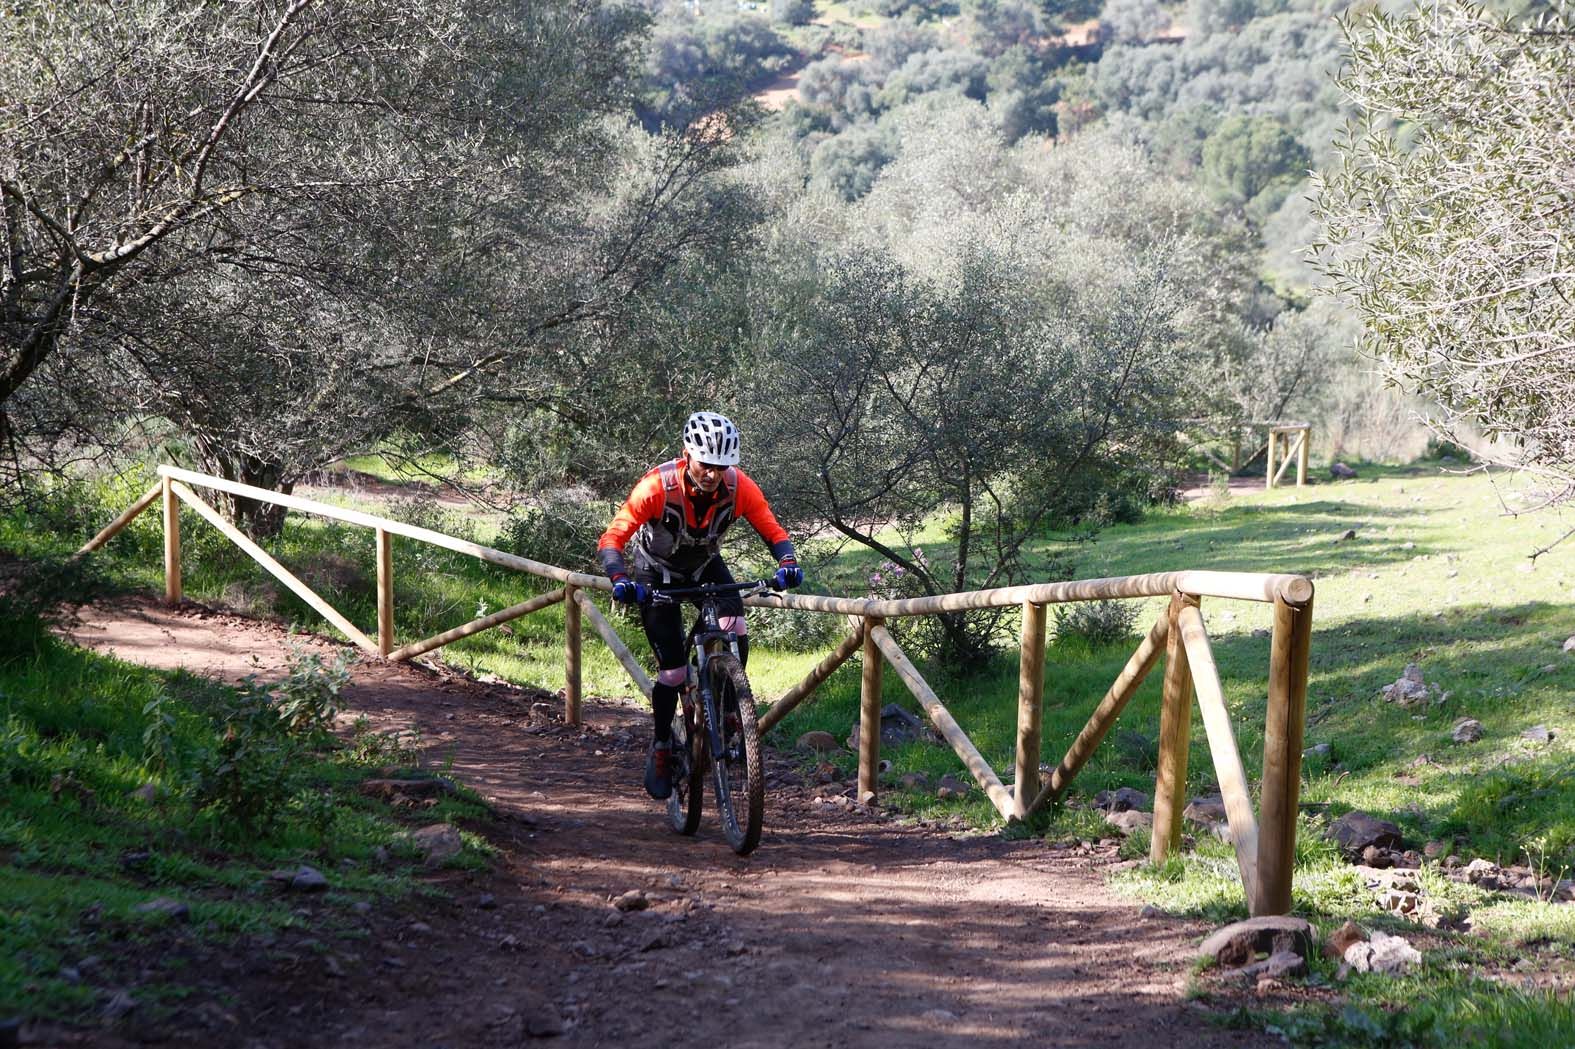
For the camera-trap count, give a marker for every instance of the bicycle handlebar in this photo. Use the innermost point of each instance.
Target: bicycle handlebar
(709, 589)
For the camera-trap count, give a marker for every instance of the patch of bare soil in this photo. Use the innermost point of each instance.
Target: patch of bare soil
(843, 929)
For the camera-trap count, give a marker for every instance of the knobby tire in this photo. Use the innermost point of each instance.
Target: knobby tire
(740, 780)
(685, 802)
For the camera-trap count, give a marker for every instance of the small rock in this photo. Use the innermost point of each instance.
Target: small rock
(1208, 809)
(938, 1016)
(1355, 831)
(1410, 859)
(1467, 730)
(148, 792)
(1434, 849)
(1569, 644)
(1129, 821)
(437, 842)
(1283, 965)
(1342, 938)
(1347, 535)
(420, 928)
(539, 1018)
(914, 780)
(1151, 911)
(119, 1005)
(67, 974)
(1373, 856)
(951, 783)
(1538, 734)
(1122, 799)
(1480, 870)
(486, 901)
(819, 742)
(1238, 944)
(633, 900)
(164, 907)
(361, 907)
(308, 879)
(1341, 472)
(1409, 689)
(1320, 750)
(1383, 954)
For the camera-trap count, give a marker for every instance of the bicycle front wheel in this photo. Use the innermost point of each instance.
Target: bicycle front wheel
(688, 755)
(740, 780)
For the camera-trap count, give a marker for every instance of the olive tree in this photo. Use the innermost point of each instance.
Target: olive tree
(1447, 221)
(291, 227)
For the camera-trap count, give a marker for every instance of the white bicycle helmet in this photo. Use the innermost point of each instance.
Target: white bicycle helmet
(711, 439)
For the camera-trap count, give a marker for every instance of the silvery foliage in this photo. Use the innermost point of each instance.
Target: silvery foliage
(1447, 221)
(1279, 66)
(1002, 332)
(292, 226)
(1133, 21)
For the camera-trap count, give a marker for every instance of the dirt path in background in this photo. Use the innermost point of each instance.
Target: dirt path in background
(842, 930)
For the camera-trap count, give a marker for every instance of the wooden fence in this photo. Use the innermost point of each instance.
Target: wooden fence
(1287, 442)
(1265, 844)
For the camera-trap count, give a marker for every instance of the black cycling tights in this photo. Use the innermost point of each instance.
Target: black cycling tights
(664, 699)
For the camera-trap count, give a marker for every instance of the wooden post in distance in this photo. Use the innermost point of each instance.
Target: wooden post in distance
(869, 713)
(172, 589)
(1175, 732)
(571, 656)
(1030, 703)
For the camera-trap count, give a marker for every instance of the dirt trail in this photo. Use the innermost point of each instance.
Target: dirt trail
(843, 930)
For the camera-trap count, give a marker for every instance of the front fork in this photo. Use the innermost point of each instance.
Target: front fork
(701, 684)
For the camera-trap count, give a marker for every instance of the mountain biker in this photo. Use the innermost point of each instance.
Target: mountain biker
(676, 515)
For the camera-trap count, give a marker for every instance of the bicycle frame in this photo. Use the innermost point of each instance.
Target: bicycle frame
(706, 640)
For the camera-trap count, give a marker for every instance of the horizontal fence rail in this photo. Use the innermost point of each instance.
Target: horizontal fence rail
(1265, 843)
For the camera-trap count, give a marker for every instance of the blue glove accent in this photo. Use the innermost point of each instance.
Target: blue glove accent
(789, 575)
(627, 591)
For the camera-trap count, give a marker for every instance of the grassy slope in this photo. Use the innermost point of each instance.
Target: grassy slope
(1436, 574)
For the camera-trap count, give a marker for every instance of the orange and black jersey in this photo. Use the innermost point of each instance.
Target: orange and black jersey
(677, 527)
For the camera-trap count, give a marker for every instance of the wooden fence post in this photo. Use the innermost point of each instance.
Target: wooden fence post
(385, 592)
(1175, 732)
(1282, 755)
(571, 657)
(1030, 702)
(869, 712)
(1301, 458)
(1273, 437)
(172, 588)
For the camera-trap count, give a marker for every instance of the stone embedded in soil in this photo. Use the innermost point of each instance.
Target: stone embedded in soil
(1342, 472)
(1123, 799)
(1373, 856)
(1355, 831)
(1569, 643)
(1130, 821)
(819, 742)
(1206, 810)
(1408, 690)
(914, 780)
(308, 879)
(1538, 734)
(1383, 954)
(1239, 943)
(1467, 730)
(1341, 939)
(486, 901)
(395, 789)
(164, 907)
(119, 1004)
(1480, 872)
(633, 900)
(437, 842)
(897, 726)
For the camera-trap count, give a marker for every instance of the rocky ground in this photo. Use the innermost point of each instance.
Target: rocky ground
(597, 925)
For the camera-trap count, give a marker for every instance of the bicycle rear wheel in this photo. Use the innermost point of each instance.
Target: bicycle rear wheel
(688, 756)
(740, 780)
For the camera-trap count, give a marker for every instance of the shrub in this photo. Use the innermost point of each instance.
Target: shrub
(38, 595)
(556, 530)
(308, 698)
(1096, 623)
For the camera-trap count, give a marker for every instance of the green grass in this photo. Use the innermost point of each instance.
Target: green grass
(1436, 574)
(80, 850)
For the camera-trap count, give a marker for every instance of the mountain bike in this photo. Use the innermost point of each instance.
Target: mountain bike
(714, 725)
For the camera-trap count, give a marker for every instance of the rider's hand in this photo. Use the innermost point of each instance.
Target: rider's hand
(629, 592)
(789, 574)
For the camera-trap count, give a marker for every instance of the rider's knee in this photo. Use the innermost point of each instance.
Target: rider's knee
(734, 624)
(672, 677)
